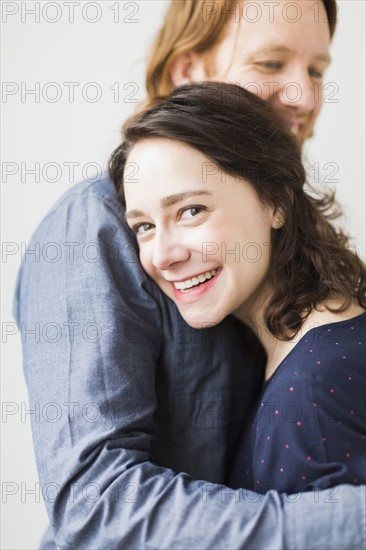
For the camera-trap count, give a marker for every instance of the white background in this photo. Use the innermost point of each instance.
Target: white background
(109, 52)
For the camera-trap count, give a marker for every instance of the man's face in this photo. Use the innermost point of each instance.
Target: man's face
(278, 50)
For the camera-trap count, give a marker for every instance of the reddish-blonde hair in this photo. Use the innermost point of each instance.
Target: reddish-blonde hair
(193, 25)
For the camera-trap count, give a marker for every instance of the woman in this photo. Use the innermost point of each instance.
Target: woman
(224, 225)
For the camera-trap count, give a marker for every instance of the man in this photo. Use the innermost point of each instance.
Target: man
(278, 50)
(147, 407)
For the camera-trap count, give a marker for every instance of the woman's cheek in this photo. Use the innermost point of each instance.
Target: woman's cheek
(145, 257)
(210, 234)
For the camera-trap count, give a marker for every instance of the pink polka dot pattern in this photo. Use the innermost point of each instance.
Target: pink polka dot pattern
(311, 432)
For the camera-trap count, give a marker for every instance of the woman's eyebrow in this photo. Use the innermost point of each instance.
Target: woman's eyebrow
(172, 199)
(133, 214)
(165, 202)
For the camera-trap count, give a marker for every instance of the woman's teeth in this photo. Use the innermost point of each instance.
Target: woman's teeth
(189, 283)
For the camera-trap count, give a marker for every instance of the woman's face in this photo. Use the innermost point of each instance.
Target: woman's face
(204, 237)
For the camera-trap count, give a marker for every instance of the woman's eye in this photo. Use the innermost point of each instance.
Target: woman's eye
(141, 228)
(191, 212)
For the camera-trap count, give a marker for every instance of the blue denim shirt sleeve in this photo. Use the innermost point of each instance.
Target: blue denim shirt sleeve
(90, 365)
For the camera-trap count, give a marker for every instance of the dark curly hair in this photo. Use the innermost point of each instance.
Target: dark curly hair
(310, 259)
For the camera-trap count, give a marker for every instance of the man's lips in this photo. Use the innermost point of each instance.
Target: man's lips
(296, 122)
(296, 125)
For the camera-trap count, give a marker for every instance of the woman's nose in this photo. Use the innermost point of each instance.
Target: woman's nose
(169, 250)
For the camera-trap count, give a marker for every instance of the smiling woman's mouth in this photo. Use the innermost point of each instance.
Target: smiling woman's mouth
(183, 286)
(190, 289)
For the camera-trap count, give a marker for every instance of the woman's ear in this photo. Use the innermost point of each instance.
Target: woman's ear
(278, 218)
(186, 68)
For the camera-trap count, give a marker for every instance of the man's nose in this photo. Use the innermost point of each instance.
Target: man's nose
(169, 250)
(300, 92)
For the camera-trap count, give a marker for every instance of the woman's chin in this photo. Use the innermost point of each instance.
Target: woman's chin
(200, 321)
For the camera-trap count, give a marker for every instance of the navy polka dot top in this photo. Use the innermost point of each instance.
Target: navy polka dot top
(308, 429)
